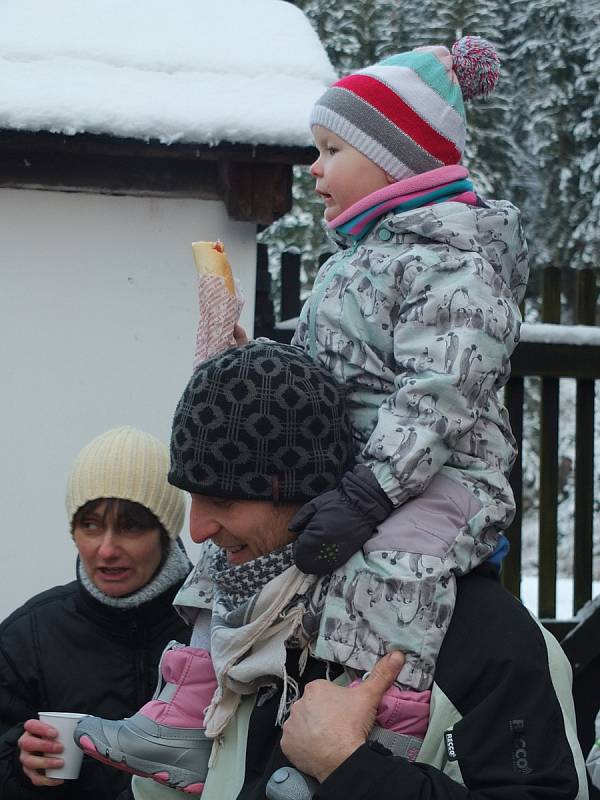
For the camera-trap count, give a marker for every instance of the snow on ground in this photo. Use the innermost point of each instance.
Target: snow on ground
(187, 70)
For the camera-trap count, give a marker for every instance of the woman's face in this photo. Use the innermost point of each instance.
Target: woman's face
(119, 555)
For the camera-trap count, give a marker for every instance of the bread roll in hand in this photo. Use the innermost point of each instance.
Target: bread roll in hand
(219, 303)
(211, 259)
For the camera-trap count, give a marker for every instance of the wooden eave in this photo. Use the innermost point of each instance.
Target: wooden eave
(254, 181)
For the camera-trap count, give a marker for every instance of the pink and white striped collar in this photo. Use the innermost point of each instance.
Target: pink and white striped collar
(396, 193)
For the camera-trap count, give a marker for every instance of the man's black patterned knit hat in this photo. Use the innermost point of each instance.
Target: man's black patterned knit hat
(261, 422)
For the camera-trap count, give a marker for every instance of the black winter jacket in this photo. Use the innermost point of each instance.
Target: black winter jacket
(501, 726)
(65, 651)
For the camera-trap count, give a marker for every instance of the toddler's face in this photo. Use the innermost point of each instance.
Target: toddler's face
(343, 174)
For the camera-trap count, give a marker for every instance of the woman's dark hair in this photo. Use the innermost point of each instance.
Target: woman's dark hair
(126, 513)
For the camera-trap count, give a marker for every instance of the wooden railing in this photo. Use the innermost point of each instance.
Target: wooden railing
(555, 357)
(551, 360)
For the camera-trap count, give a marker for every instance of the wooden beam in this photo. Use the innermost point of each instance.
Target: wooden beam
(254, 182)
(514, 396)
(548, 447)
(583, 549)
(256, 192)
(24, 142)
(290, 285)
(556, 360)
(89, 172)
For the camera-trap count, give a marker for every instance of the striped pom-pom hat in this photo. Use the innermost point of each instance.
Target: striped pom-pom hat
(406, 112)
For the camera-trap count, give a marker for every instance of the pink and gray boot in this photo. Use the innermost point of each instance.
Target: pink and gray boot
(400, 726)
(401, 721)
(165, 739)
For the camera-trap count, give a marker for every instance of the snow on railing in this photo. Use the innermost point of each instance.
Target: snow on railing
(541, 332)
(544, 333)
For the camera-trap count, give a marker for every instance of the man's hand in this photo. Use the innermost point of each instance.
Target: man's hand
(38, 739)
(240, 335)
(330, 722)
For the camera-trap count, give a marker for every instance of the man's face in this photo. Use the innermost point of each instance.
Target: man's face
(244, 529)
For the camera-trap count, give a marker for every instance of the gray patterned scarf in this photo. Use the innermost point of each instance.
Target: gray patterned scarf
(240, 583)
(256, 611)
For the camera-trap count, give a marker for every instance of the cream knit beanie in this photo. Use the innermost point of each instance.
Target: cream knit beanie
(130, 465)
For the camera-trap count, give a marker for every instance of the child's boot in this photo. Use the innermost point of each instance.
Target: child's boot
(401, 722)
(165, 739)
(400, 726)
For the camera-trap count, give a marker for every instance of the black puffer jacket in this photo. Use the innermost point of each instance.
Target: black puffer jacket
(502, 723)
(65, 651)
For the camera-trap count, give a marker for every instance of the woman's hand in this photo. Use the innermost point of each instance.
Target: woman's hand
(37, 740)
(330, 722)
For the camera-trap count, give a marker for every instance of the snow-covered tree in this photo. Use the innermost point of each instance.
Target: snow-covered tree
(546, 60)
(586, 236)
(535, 141)
(359, 33)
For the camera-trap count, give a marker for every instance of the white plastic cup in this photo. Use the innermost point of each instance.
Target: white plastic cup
(65, 723)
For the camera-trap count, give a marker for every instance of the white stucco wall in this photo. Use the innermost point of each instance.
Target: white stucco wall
(97, 325)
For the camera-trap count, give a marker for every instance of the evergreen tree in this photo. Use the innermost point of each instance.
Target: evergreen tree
(525, 179)
(586, 238)
(357, 34)
(535, 141)
(547, 64)
(354, 35)
(491, 152)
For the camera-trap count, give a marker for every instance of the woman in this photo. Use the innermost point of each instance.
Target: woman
(95, 644)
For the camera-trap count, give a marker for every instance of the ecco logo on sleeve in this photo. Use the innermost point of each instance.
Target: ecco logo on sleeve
(450, 749)
(520, 759)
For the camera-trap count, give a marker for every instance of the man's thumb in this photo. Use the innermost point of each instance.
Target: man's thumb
(384, 673)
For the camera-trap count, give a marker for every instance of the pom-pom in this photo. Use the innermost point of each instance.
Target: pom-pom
(476, 65)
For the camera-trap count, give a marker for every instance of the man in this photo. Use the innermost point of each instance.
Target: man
(257, 432)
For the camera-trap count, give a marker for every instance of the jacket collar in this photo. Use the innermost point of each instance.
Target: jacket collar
(174, 569)
(435, 186)
(126, 624)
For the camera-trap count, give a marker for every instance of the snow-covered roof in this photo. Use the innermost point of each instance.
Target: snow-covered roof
(200, 71)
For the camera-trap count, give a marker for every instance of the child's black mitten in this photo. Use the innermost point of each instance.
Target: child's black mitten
(334, 525)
